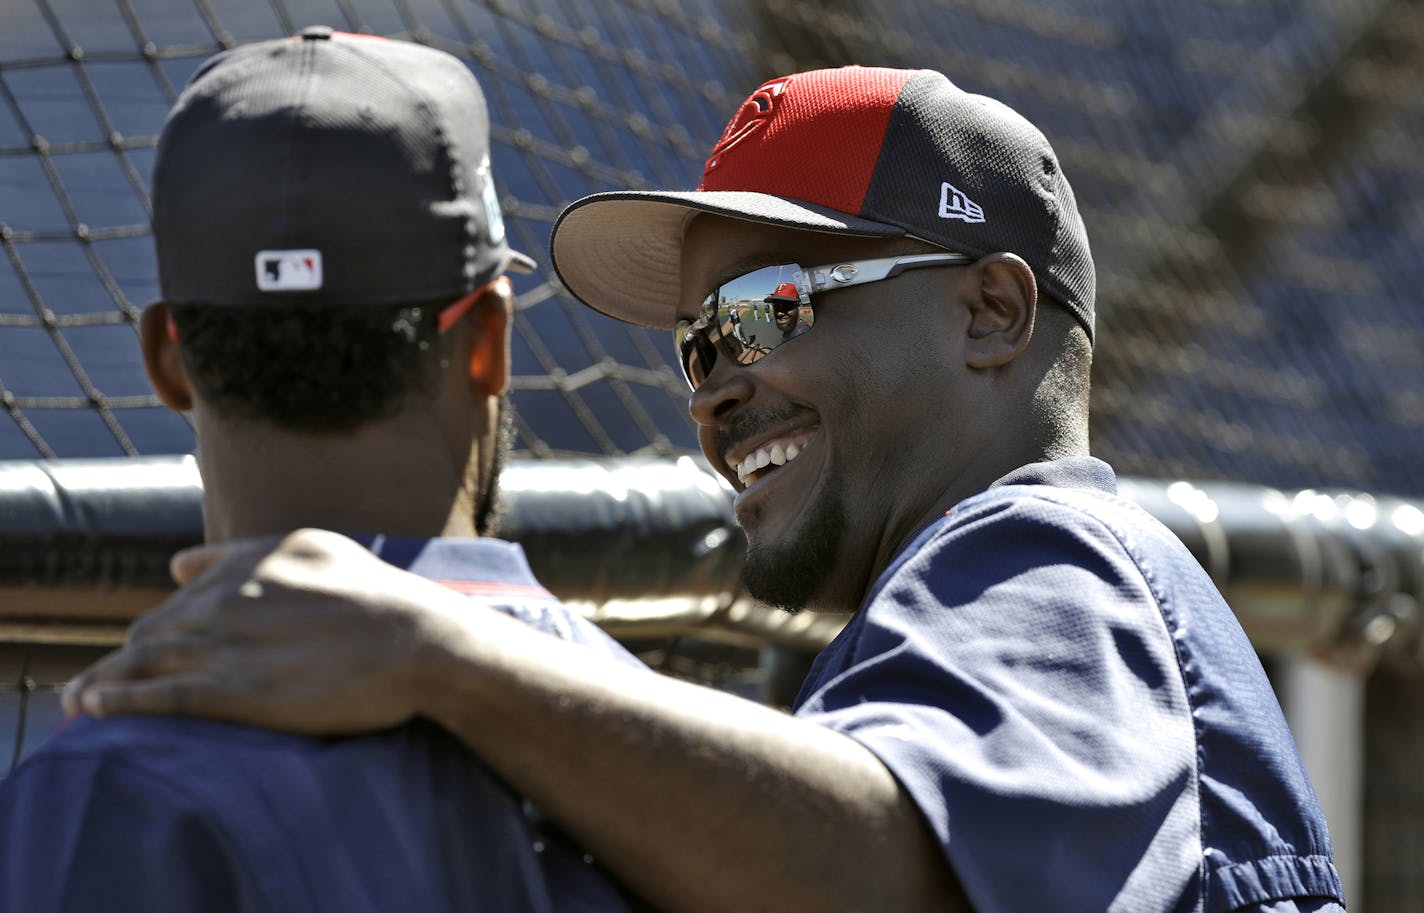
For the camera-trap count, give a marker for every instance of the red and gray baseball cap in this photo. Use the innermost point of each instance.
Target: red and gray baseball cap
(327, 169)
(857, 150)
(784, 293)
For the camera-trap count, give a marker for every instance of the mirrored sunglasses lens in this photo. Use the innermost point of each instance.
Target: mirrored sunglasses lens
(746, 319)
(757, 311)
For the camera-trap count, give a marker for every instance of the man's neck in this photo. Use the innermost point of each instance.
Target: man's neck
(394, 481)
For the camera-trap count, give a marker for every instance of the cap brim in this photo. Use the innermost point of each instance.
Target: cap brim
(621, 252)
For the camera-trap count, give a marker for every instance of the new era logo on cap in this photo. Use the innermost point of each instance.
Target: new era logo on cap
(289, 270)
(953, 204)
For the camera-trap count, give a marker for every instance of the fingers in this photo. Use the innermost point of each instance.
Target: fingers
(184, 611)
(252, 617)
(310, 545)
(137, 659)
(176, 696)
(317, 548)
(191, 563)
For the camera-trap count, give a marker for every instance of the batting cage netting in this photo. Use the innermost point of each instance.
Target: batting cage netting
(1249, 173)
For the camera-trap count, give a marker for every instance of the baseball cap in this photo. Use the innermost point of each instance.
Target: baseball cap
(786, 292)
(865, 151)
(327, 168)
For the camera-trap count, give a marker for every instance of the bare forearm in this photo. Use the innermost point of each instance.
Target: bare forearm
(697, 799)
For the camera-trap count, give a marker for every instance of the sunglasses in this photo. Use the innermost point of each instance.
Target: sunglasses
(748, 317)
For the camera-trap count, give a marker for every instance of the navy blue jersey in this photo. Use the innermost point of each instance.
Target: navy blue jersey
(158, 814)
(1076, 712)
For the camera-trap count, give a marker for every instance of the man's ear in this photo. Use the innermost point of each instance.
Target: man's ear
(489, 350)
(162, 359)
(1002, 297)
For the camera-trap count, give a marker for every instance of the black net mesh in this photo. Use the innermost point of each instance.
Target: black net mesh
(582, 99)
(1249, 173)
(1255, 225)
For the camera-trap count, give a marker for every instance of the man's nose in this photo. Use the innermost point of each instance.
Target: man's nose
(724, 389)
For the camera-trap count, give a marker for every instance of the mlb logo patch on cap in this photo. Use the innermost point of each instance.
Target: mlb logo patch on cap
(288, 270)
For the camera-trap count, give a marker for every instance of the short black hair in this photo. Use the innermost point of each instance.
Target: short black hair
(316, 369)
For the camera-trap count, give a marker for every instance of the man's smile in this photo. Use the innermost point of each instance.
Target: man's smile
(769, 455)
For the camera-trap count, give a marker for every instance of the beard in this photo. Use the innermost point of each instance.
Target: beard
(488, 510)
(788, 574)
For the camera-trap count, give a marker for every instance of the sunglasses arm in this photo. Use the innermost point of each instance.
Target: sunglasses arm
(859, 272)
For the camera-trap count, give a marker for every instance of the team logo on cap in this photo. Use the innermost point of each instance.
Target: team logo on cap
(750, 117)
(954, 204)
(288, 270)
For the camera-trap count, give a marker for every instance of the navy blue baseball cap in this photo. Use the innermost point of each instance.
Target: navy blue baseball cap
(856, 150)
(328, 169)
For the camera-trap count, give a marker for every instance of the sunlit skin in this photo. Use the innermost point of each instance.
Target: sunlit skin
(910, 382)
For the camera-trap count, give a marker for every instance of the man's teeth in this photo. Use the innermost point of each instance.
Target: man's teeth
(778, 453)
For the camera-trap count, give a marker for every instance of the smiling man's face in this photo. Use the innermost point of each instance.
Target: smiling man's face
(839, 442)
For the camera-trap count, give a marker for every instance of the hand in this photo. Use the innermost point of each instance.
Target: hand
(309, 633)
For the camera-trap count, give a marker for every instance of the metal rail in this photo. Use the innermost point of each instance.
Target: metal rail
(648, 546)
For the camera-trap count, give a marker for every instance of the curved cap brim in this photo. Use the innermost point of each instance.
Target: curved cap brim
(621, 252)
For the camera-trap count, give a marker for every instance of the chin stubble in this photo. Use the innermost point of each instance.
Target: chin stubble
(788, 574)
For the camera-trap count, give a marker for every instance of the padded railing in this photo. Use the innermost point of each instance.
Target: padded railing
(649, 546)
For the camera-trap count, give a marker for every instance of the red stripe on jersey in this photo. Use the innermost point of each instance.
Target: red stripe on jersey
(486, 588)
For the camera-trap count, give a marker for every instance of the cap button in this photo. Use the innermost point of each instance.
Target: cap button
(316, 33)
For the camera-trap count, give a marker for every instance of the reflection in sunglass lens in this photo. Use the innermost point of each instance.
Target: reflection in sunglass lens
(744, 319)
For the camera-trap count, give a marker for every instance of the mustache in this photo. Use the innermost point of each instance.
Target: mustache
(751, 424)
